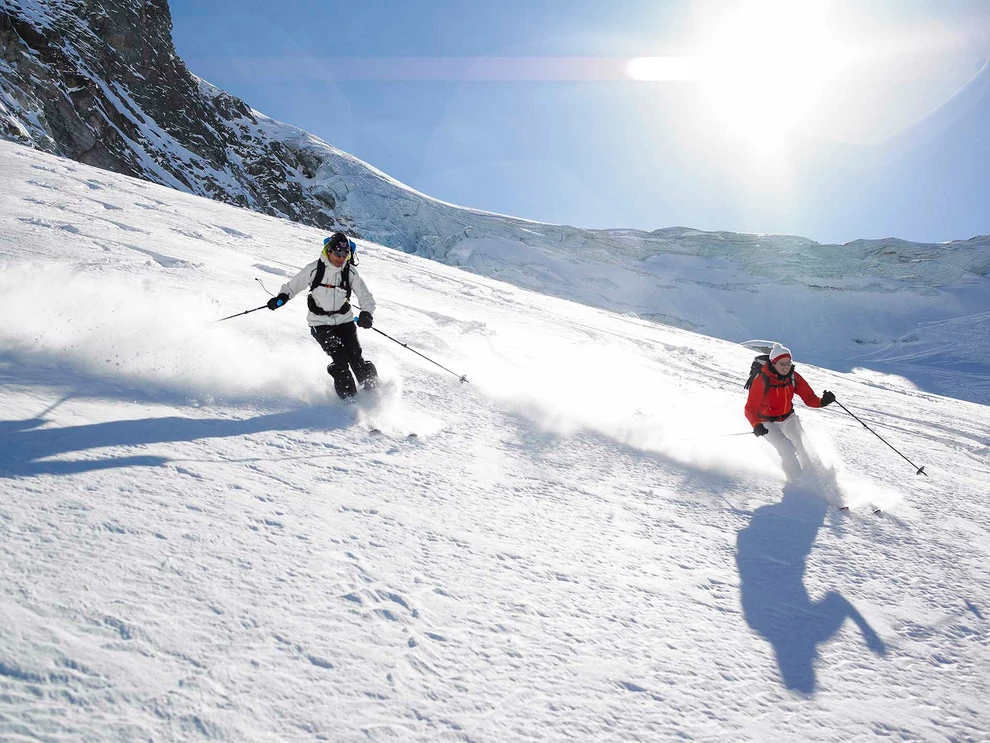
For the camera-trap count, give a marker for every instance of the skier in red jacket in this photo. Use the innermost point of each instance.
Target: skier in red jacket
(770, 408)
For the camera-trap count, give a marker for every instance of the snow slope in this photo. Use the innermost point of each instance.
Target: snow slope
(199, 542)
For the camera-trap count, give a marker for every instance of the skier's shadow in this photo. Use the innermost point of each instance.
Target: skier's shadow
(25, 448)
(771, 555)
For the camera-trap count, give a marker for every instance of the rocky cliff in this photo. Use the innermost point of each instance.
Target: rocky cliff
(99, 81)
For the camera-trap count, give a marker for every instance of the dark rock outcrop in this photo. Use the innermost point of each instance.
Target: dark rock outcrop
(99, 81)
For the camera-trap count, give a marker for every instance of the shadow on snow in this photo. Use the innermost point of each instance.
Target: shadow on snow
(26, 447)
(771, 554)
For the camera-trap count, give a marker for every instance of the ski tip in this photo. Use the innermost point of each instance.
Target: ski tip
(759, 345)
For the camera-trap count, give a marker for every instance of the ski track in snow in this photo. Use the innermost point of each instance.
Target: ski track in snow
(199, 541)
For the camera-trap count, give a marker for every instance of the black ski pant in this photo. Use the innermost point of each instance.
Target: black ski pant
(341, 344)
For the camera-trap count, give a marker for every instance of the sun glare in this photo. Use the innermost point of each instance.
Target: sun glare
(764, 66)
(761, 66)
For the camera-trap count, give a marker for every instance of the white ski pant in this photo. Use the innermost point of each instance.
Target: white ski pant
(787, 437)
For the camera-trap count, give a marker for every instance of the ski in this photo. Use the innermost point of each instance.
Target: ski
(378, 432)
(875, 510)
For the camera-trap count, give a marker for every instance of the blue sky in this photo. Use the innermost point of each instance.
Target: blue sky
(836, 121)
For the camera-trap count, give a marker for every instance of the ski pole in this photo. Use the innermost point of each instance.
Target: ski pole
(461, 377)
(246, 312)
(920, 470)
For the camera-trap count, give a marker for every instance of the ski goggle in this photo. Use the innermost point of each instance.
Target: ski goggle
(340, 248)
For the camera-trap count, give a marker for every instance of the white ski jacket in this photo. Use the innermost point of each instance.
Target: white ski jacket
(329, 295)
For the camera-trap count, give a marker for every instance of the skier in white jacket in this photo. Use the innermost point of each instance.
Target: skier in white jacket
(330, 279)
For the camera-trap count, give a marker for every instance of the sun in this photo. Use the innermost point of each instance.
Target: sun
(761, 66)
(764, 64)
(763, 71)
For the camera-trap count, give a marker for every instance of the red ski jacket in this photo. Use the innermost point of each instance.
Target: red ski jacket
(771, 396)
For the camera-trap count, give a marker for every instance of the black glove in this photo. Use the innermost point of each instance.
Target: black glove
(827, 398)
(275, 302)
(364, 319)
(760, 430)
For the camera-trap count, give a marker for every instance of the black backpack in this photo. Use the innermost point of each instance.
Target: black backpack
(755, 368)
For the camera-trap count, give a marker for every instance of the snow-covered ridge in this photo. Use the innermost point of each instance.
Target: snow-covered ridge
(99, 81)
